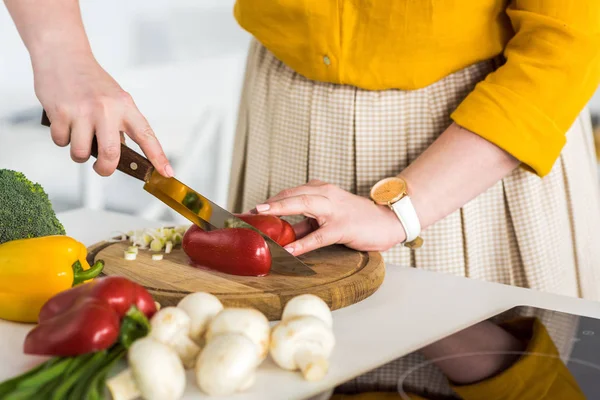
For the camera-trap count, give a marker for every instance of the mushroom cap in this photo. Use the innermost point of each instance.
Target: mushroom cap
(305, 305)
(157, 370)
(168, 323)
(247, 321)
(201, 307)
(295, 335)
(227, 364)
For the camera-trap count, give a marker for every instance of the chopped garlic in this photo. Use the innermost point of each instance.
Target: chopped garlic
(157, 257)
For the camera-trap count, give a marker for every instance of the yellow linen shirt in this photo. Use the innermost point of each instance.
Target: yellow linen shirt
(552, 51)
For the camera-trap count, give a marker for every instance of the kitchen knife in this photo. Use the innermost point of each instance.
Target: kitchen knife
(193, 206)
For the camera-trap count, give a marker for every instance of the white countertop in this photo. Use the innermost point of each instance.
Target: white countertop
(411, 308)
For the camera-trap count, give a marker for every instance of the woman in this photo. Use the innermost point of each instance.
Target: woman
(350, 94)
(474, 104)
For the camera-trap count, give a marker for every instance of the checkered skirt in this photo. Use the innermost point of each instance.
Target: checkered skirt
(524, 231)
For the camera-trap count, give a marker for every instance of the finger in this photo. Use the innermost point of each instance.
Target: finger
(312, 206)
(140, 131)
(296, 191)
(316, 182)
(122, 137)
(305, 227)
(81, 140)
(60, 130)
(320, 238)
(109, 147)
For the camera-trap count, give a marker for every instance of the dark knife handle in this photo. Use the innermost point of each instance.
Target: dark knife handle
(130, 162)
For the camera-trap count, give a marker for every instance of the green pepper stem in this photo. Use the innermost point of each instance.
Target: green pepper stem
(79, 275)
(233, 223)
(134, 325)
(239, 223)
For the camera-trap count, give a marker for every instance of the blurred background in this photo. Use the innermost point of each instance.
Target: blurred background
(182, 61)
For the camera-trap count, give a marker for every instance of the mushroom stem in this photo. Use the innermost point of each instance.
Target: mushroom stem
(171, 326)
(312, 363)
(123, 386)
(186, 349)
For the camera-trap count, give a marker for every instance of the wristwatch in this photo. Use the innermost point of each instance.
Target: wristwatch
(393, 193)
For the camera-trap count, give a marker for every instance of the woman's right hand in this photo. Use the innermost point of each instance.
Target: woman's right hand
(83, 100)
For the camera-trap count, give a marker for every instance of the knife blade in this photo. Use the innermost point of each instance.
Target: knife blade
(192, 205)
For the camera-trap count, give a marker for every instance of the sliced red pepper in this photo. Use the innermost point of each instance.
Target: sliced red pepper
(274, 227)
(118, 292)
(288, 235)
(237, 251)
(89, 325)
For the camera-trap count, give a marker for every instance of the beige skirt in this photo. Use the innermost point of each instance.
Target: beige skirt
(525, 231)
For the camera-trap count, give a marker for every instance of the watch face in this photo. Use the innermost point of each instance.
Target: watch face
(388, 190)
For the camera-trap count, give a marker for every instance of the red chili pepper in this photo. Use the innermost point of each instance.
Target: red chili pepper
(118, 292)
(237, 251)
(274, 227)
(89, 325)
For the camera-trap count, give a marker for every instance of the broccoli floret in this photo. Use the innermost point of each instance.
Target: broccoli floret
(25, 210)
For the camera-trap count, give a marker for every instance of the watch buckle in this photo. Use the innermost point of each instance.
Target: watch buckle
(415, 244)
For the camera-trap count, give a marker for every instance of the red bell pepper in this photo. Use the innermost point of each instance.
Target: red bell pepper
(90, 325)
(237, 251)
(274, 227)
(118, 292)
(88, 318)
(288, 235)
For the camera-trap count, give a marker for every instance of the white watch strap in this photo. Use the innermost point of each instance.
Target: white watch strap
(408, 218)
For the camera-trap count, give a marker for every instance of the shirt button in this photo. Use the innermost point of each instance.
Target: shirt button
(326, 60)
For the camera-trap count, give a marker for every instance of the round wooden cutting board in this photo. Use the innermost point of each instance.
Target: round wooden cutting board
(343, 277)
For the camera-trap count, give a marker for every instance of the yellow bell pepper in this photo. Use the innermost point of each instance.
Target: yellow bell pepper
(33, 270)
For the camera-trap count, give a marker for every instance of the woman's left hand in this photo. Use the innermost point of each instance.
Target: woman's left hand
(335, 216)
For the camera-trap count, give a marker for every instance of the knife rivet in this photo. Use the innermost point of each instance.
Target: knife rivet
(133, 166)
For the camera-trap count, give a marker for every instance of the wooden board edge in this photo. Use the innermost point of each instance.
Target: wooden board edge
(338, 294)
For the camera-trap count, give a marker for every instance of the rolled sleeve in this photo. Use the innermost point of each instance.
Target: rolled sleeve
(551, 71)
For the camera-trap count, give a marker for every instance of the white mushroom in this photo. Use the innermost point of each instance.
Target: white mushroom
(303, 343)
(155, 373)
(171, 326)
(247, 321)
(201, 307)
(227, 364)
(307, 304)
(237, 341)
